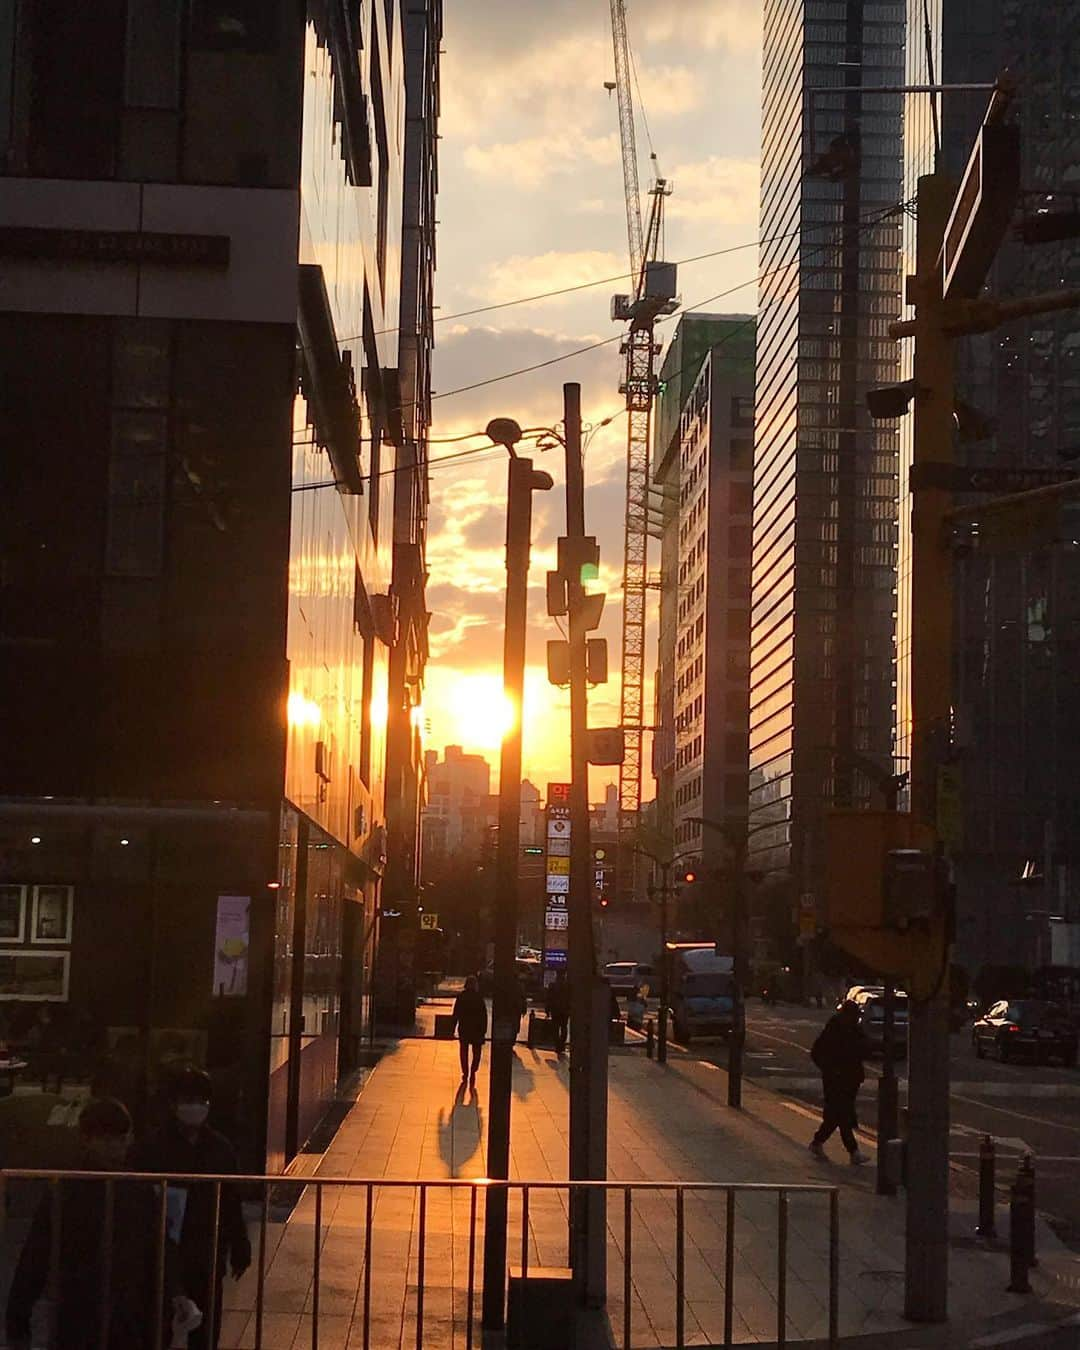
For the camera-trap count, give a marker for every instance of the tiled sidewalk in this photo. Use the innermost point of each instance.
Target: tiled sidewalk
(413, 1121)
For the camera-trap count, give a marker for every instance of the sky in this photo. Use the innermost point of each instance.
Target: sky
(531, 200)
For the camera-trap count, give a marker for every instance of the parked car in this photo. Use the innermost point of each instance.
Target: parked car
(870, 1001)
(529, 973)
(1025, 1027)
(626, 976)
(703, 997)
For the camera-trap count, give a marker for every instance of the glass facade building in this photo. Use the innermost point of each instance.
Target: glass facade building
(822, 632)
(211, 628)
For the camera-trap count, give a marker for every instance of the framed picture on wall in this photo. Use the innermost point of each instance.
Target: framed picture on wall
(12, 913)
(52, 914)
(36, 977)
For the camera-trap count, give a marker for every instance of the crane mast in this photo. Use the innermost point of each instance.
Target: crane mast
(654, 294)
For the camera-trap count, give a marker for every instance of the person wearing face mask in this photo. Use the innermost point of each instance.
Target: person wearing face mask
(187, 1146)
(86, 1267)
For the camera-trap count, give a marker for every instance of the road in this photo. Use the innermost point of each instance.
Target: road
(1024, 1107)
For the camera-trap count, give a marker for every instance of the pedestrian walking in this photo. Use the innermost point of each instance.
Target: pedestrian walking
(838, 1053)
(187, 1146)
(557, 1007)
(95, 1280)
(470, 1021)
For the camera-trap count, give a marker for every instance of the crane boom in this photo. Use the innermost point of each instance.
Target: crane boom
(654, 292)
(627, 136)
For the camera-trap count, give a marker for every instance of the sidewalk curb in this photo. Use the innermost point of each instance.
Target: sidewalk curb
(1025, 1329)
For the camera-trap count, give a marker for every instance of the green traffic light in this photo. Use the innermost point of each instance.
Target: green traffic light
(589, 572)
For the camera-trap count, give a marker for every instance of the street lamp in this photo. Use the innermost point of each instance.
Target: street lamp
(665, 865)
(737, 835)
(523, 481)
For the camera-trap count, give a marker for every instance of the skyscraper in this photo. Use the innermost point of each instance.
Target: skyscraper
(822, 659)
(1015, 739)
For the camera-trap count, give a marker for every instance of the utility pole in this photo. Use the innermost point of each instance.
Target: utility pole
(523, 480)
(662, 1017)
(927, 1264)
(737, 837)
(588, 1049)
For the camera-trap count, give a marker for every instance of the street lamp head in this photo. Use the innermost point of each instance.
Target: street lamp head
(541, 481)
(503, 431)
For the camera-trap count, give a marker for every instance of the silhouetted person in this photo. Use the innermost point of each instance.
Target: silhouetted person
(186, 1145)
(470, 1022)
(129, 1274)
(557, 1007)
(839, 1052)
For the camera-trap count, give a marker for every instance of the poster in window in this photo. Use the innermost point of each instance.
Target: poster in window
(51, 922)
(12, 913)
(38, 977)
(232, 940)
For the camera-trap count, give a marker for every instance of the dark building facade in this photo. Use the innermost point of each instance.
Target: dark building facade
(1016, 733)
(822, 660)
(202, 226)
(704, 471)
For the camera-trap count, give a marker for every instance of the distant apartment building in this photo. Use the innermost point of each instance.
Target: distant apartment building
(459, 808)
(703, 472)
(1015, 743)
(822, 656)
(216, 242)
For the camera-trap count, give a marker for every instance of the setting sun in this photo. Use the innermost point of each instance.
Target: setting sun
(480, 713)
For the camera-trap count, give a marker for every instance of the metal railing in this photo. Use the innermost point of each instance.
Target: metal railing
(653, 1218)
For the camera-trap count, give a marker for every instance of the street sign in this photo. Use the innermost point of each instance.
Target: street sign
(559, 867)
(429, 921)
(556, 919)
(558, 829)
(558, 794)
(807, 902)
(981, 212)
(558, 885)
(555, 956)
(984, 478)
(559, 848)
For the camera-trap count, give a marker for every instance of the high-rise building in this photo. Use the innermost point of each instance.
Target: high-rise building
(704, 473)
(1016, 735)
(822, 663)
(459, 808)
(203, 213)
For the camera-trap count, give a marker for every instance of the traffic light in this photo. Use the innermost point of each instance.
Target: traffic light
(604, 902)
(689, 876)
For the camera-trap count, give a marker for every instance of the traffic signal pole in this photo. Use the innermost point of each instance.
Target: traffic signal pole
(588, 1049)
(523, 481)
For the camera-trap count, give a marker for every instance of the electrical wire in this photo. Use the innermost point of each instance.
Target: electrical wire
(603, 281)
(878, 216)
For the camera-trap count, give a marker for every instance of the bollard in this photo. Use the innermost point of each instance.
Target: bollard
(650, 1038)
(1025, 1178)
(987, 1164)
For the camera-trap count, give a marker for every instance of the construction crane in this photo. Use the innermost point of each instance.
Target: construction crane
(654, 294)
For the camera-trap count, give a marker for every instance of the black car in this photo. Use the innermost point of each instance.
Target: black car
(870, 1001)
(1025, 1028)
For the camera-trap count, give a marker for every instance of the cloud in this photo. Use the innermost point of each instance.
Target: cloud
(533, 161)
(717, 189)
(527, 275)
(734, 25)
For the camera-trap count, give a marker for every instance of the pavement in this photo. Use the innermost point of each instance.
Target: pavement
(412, 1121)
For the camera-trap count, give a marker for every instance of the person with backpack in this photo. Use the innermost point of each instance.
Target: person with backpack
(839, 1052)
